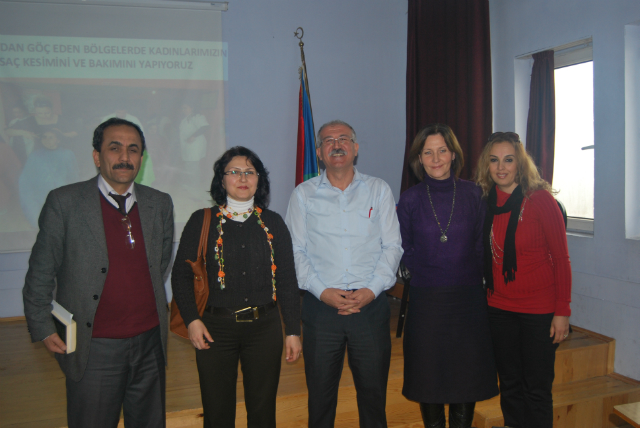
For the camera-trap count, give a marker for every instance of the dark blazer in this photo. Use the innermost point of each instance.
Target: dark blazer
(71, 251)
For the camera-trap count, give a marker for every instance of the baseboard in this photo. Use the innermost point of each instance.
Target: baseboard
(11, 319)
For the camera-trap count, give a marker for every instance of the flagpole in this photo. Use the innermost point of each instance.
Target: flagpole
(299, 36)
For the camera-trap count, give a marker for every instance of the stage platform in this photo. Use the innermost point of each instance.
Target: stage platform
(32, 390)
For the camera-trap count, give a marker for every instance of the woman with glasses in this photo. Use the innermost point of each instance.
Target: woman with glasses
(528, 278)
(250, 266)
(447, 346)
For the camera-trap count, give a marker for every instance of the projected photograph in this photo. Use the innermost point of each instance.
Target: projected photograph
(46, 130)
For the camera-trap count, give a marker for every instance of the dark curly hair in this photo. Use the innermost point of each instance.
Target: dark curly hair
(98, 133)
(218, 192)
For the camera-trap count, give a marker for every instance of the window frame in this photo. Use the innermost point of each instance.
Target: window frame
(575, 53)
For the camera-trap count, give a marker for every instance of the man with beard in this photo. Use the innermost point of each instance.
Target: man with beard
(347, 247)
(106, 244)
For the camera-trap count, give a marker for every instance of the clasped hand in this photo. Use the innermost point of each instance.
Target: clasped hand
(347, 302)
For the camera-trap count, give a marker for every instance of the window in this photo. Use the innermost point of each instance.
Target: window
(632, 130)
(573, 170)
(573, 159)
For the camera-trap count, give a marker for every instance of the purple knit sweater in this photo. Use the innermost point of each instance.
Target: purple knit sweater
(458, 261)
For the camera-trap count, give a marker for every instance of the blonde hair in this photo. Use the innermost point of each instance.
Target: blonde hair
(421, 138)
(527, 174)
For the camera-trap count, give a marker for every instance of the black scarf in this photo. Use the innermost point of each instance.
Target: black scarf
(509, 262)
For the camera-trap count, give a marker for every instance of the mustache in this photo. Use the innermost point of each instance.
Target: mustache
(123, 165)
(337, 152)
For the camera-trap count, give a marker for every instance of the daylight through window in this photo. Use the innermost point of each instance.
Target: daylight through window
(574, 149)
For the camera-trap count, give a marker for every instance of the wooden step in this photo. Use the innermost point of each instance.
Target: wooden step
(585, 404)
(629, 412)
(584, 355)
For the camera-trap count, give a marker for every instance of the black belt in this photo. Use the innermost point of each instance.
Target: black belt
(247, 314)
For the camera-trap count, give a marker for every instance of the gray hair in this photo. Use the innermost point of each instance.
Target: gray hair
(334, 123)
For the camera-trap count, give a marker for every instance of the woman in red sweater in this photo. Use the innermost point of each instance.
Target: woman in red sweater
(528, 279)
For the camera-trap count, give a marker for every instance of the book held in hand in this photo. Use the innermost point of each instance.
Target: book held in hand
(65, 325)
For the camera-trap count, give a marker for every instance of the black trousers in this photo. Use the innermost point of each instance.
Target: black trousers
(127, 374)
(257, 345)
(366, 337)
(525, 357)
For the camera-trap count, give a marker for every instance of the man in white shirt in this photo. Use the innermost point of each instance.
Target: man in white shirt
(347, 247)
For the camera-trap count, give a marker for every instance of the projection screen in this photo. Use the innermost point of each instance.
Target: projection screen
(65, 68)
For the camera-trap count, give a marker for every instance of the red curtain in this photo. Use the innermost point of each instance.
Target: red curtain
(541, 122)
(449, 74)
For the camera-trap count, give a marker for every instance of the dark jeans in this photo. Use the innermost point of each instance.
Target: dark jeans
(257, 345)
(525, 357)
(126, 374)
(366, 337)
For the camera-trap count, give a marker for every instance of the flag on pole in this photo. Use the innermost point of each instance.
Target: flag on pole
(306, 160)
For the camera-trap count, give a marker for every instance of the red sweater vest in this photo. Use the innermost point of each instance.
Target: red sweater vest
(127, 306)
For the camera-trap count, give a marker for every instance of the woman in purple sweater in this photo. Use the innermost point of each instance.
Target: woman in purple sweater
(448, 356)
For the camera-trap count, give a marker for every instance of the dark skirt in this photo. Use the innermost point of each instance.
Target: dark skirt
(448, 355)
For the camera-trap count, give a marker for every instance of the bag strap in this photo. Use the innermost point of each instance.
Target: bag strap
(204, 234)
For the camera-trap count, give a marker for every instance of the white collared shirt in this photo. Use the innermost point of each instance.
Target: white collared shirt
(105, 189)
(345, 239)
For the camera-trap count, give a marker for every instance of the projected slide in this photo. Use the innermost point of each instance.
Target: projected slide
(54, 91)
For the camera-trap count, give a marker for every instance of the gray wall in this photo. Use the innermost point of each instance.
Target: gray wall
(606, 267)
(356, 60)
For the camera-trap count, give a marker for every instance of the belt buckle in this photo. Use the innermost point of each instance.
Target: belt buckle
(248, 311)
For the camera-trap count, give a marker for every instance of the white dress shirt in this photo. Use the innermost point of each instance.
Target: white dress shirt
(346, 239)
(105, 189)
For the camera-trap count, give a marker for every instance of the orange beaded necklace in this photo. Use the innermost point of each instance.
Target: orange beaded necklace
(219, 250)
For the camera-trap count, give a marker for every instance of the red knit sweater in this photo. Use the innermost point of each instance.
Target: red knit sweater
(543, 278)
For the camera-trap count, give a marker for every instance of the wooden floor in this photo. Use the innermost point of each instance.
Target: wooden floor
(32, 390)
(30, 379)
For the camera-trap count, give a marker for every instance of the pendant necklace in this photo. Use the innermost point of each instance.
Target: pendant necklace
(443, 237)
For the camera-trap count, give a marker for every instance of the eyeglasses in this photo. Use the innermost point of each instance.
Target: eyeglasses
(236, 174)
(506, 136)
(126, 223)
(329, 141)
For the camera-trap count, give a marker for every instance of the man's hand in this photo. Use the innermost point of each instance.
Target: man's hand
(363, 296)
(293, 348)
(197, 333)
(55, 344)
(339, 299)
